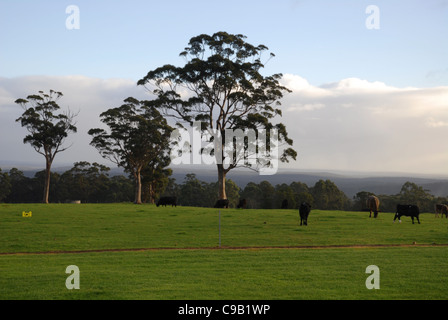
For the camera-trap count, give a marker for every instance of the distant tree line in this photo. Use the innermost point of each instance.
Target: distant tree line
(91, 183)
(86, 182)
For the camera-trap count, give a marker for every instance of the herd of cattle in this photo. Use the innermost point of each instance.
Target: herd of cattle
(373, 203)
(408, 210)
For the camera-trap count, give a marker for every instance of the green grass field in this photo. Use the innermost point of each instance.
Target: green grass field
(180, 256)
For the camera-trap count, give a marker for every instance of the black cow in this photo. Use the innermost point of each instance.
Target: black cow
(242, 204)
(222, 203)
(285, 204)
(407, 210)
(164, 201)
(304, 211)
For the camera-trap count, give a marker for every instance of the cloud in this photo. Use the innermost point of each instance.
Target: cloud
(302, 86)
(346, 85)
(362, 125)
(351, 124)
(305, 107)
(87, 96)
(375, 99)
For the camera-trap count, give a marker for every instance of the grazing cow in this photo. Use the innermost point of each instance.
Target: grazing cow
(441, 208)
(242, 204)
(164, 201)
(304, 211)
(222, 203)
(408, 211)
(373, 203)
(285, 204)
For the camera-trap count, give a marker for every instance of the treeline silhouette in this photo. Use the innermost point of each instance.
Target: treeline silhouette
(91, 183)
(85, 182)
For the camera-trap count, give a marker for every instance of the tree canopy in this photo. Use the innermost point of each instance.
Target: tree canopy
(137, 138)
(221, 86)
(47, 129)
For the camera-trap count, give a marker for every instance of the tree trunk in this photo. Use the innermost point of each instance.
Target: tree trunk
(138, 187)
(151, 193)
(47, 181)
(221, 182)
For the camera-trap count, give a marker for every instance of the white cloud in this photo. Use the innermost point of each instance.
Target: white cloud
(300, 85)
(357, 84)
(352, 124)
(88, 96)
(355, 124)
(305, 107)
(374, 98)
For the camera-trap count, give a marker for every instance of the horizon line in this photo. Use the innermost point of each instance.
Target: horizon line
(34, 166)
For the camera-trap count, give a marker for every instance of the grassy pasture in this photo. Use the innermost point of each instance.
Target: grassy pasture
(204, 273)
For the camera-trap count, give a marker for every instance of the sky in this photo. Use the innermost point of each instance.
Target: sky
(369, 86)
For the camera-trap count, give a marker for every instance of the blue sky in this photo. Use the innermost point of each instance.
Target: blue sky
(323, 41)
(352, 86)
